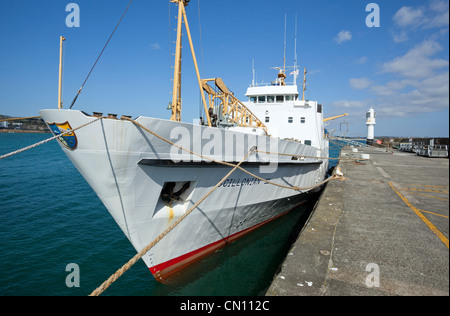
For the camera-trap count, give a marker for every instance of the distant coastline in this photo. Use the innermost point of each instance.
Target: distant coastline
(8, 131)
(33, 125)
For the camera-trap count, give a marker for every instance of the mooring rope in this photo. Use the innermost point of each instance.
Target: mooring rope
(46, 140)
(303, 156)
(138, 256)
(19, 118)
(227, 163)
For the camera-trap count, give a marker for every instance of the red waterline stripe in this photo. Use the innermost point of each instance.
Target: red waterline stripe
(165, 269)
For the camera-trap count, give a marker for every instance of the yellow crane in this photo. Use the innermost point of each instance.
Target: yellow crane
(334, 117)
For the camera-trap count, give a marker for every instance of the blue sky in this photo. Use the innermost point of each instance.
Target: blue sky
(400, 68)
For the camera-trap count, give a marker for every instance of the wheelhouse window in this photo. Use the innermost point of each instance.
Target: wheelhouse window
(290, 119)
(280, 98)
(262, 99)
(253, 99)
(308, 142)
(270, 99)
(289, 97)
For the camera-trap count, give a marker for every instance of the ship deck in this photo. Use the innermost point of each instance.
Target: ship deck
(383, 231)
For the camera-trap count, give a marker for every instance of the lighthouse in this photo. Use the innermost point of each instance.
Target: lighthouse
(370, 122)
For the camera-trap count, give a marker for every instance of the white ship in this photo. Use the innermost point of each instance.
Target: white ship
(149, 172)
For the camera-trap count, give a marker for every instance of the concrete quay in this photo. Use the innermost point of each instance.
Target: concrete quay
(381, 232)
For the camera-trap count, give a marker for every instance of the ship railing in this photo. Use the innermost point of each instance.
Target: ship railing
(272, 84)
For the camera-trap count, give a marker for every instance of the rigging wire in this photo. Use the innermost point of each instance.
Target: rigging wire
(104, 47)
(201, 41)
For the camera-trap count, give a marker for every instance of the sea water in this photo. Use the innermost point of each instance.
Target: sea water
(50, 219)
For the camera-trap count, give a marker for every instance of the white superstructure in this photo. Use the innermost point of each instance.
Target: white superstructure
(286, 115)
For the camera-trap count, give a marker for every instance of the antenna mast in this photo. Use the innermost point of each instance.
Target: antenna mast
(284, 55)
(295, 52)
(253, 73)
(304, 82)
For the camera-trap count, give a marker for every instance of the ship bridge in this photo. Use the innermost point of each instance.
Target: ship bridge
(284, 114)
(272, 94)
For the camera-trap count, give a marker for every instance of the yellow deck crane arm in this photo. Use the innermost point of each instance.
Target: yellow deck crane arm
(334, 117)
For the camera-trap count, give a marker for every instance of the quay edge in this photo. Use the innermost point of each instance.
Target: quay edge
(362, 239)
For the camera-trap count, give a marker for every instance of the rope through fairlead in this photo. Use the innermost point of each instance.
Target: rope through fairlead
(19, 118)
(227, 163)
(47, 140)
(303, 156)
(138, 256)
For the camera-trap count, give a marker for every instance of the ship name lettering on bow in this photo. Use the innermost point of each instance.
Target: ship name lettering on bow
(230, 183)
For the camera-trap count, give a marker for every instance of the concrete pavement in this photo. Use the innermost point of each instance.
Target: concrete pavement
(383, 231)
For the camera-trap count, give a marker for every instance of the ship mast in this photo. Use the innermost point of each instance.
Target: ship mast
(61, 40)
(176, 92)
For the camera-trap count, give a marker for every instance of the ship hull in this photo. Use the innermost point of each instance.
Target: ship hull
(147, 183)
(277, 209)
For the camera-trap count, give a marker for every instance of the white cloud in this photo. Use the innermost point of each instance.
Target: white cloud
(155, 46)
(414, 82)
(408, 16)
(439, 14)
(392, 87)
(406, 97)
(417, 63)
(343, 36)
(315, 71)
(360, 83)
(421, 86)
(434, 15)
(351, 104)
(439, 5)
(436, 87)
(400, 37)
(430, 95)
(362, 60)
